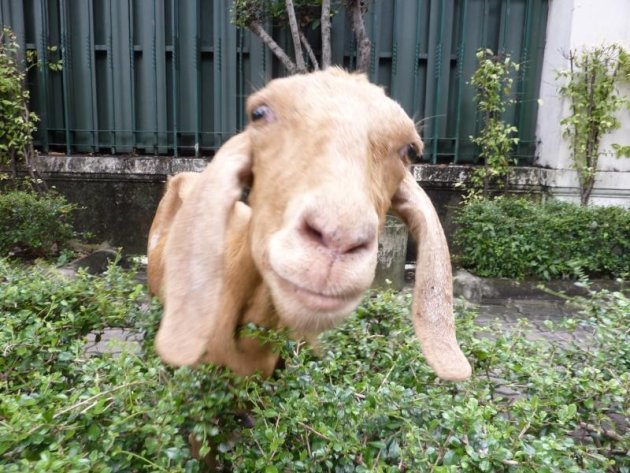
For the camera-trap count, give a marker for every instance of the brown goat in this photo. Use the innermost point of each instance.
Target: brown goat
(325, 154)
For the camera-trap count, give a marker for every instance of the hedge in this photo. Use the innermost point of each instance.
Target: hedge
(33, 224)
(519, 238)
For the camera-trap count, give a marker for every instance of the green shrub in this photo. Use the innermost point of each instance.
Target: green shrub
(518, 238)
(367, 403)
(34, 224)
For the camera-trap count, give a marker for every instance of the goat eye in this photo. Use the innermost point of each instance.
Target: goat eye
(261, 112)
(409, 152)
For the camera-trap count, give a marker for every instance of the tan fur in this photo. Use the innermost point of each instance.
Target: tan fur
(326, 163)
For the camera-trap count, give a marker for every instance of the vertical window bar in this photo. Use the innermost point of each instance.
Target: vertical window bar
(65, 56)
(42, 52)
(375, 51)
(438, 80)
(240, 90)
(132, 74)
(415, 106)
(393, 71)
(175, 69)
(219, 119)
(197, 47)
(524, 64)
(504, 22)
(155, 76)
(110, 64)
(460, 74)
(484, 24)
(92, 67)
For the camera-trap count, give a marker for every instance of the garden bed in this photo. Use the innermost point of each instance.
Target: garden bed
(365, 400)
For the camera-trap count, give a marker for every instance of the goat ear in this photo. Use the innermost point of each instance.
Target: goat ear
(433, 292)
(194, 257)
(177, 189)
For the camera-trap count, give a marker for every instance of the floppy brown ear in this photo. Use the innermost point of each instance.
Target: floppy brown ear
(177, 189)
(433, 292)
(194, 257)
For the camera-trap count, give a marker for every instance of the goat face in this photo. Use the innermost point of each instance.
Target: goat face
(328, 153)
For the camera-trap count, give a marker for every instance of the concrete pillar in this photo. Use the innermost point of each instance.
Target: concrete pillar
(392, 255)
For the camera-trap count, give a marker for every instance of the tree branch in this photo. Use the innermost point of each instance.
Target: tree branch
(275, 48)
(309, 50)
(325, 25)
(295, 33)
(364, 46)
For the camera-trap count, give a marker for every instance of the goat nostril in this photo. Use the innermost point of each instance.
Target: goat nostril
(313, 234)
(337, 239)
(357, 248)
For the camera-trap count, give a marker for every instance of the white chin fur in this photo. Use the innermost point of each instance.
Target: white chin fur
(308, 312)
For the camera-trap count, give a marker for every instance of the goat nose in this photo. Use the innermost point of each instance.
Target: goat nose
(341, 239)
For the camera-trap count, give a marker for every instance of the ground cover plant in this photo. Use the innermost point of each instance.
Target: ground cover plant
(520, 238)
(366, 402)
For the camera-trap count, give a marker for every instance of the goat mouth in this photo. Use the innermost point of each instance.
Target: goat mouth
(317, 300)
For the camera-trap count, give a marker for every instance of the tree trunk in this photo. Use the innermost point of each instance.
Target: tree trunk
(14, 164)
(309, 51)
(592, 143)
(295, 33)
(275, 48)
(585, 191)
(364, 46)
(40, 185)
(326, 44)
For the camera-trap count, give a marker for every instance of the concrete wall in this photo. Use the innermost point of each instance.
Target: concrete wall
(573, 25)
(119, 195)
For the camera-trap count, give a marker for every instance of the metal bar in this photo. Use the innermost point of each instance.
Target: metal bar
(132, 76)
(416, 60)
(110, 63)
(174, 59)
(43, 70)
(92, 73)
(198, 79)
(155, 86)
(240, 90)
(505, 23)
(67, 64)
(219, 122)
(484, 24)
(460, 75)
(523, 61)
(373, 66)
(393, 72)
(438, 80)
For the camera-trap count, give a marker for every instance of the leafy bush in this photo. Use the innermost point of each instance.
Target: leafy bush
(518, 238)
(34, 224)
(367, 403)
(493, 83)
(17, 124)
(592, 86)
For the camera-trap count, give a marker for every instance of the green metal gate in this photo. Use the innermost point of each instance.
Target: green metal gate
(170, 76)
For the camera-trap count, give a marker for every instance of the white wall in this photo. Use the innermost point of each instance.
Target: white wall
(572, 25)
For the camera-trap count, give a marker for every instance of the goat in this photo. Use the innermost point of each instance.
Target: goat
(326, 156)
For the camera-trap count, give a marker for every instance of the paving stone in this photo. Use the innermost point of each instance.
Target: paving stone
(508, 313)
(115, 341)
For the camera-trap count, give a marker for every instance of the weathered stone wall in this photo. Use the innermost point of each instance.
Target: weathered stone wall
(119, 195)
